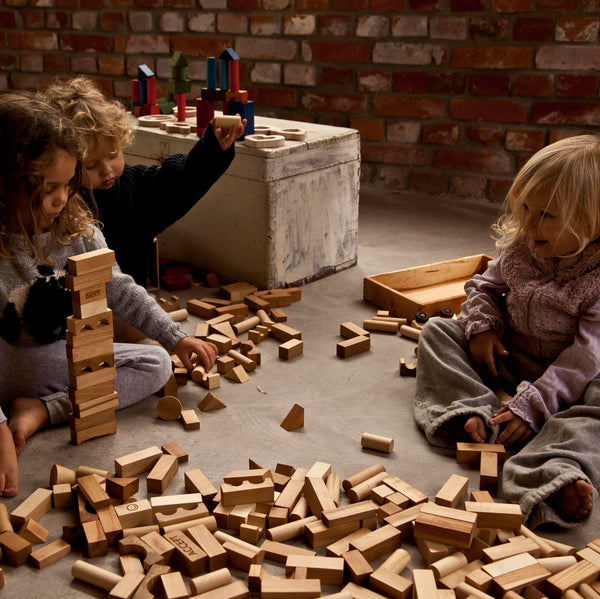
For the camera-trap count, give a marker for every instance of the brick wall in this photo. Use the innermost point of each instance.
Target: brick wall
(449, 96)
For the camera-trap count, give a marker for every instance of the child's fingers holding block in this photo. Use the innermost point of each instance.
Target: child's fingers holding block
(228, 121)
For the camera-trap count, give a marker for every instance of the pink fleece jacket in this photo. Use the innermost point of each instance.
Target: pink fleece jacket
(547, 308)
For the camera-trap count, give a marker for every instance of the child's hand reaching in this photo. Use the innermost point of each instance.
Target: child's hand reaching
(516, 430)
(9, 469)
(226, 136)
(484, 346)
(207, 352)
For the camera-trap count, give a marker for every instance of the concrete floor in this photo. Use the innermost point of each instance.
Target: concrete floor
(342, 398)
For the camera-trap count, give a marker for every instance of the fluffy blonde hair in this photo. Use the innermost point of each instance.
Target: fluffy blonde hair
(568, 171)
(92, 113)
(32, 134)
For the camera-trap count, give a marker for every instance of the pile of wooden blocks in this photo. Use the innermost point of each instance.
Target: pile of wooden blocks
(212, 542)
(89, 343)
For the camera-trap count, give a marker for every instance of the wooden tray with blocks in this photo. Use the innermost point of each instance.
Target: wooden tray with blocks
(425, 288)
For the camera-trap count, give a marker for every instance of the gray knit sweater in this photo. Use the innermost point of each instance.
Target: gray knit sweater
(34, 302)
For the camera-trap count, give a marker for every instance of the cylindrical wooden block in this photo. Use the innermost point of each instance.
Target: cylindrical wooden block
(264, 318)
(140, 531)
(248, 364)
(399, 559)
(289, 530)
(99, 577)
(586, 591)
(361, 476)
(210, 581)
(86, 470)
(547, 550)
(376, 442)
(198, 373)
(410, 332)
(396, 319)
(227, 121)
(571, 594)
(246, 325)
(179, 315)
(168, 408)
(362, 490)
(448, 564)
(61, 474)
(557, 563)
(383, 326)
(209, 521)
(300, 510)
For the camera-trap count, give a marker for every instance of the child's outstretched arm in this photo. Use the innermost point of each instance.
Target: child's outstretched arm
(484, 347)
(206, 352)
(9, 469)
(226, 136)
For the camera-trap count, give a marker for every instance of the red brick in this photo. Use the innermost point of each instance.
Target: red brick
(497, 28)
(86, 42)
(369, 129)
(417, 5)
(513, 6)
(428, 181)
(57, 19)
(264, 25)
(150, 4)
(486, 136)
(562, 5)
(448, 28)
(533, 28)
(374, 81)
(243, 4)
(8, 19)
(333, 76)
(472, 160)
(339, 25)
(9, 61)
(447, 83)
(274, 97)
(346, 103)
(338, 51)
(466, 6)
(408, 106)
(66, 3)
(576, 29)
(440, 134)
(528, 140)
(495, 111)
(577, 86)
(349, 4)
(32, 40)
(111, 65)
(312, 4)
(411, 82)
(232, 23)
(30, 81)
(492, 57)
(498, 188)
(467, 187)
(568, 58)
(489, 85)
(180, 4)
(388, 5)
(591, 5)
(200, 45)
(56, 61)
(84, 63)
(404, 132)
(392, 175)
(583, 114)
(558, 134)
(390, 154)
(533, 84)
(31, 62)
(110, 21)
(33, 19)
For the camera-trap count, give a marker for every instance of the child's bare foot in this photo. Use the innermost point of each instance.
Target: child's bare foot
(27, 416)
(573, 501)
(475, 428)
(9, 469)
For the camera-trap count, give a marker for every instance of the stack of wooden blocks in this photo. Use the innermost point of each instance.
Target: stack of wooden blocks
(89, 343)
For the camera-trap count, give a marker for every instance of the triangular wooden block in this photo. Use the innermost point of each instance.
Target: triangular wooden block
(122, 488)
(224, 328)
(211, 402)
(294, 419)
(238, 374)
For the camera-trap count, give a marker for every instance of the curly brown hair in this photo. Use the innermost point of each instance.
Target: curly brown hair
(31, 136)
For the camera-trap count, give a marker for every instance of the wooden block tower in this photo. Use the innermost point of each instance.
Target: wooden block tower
(234, 99)
(143, 93)
(179, 84)
(89, 343)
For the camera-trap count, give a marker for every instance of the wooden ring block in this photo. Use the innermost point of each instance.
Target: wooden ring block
(264, 141)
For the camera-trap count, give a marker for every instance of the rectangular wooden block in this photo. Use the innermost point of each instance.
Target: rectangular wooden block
(189, 557)
(496, 515)
(378, 543)
(137, 462)
(282, 588)
(49, 553)
(445, 525)
(247, 492)
(290, 349)
(453, 492)
(352, 346)
(34, 506)
(91, 261)
(470, 453)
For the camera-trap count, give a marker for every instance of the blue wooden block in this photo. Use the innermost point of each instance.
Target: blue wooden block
(245, 110)
(144, 71)
(143, 91)
(211, 72)
(224, 74)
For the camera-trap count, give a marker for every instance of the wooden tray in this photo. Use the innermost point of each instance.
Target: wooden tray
(425, 288)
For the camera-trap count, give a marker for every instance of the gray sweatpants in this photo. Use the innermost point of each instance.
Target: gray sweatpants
(41, 371)
(451, 389)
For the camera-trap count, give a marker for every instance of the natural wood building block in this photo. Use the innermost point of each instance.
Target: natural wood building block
(500, 552)
(168, 407)
(362, 476)
(317, 495)
(454, 491)
(190, 420)
(94, 575)
(283, 332)
(445, 525)
(95, 539)
(413, 494)
(196, 482)
(432, 551)
(61, 475)
(211, 402)
(242, 556)
(92, 261)
(377, 442)
(127, 586)
(363, 489)
(167, 503)
(470, 453)
(200, 308)
(390, 584)
(237, 374)
(358, 568)
(49, 553)
(15, 549)
(488, 471)
(378, 543)
(396, 562)
(247, 492)
(212, 580)
(90, 488)
(583, 572)
(234, 590)
(111, 525)
(172, 586)
(496, 515)
(135, 513)
(290, 349)
(361, 510)
(294, 418)
(279, 552)
(317, 534)
(282, 588)
(173, 448)
(33, 531)
(181, 515)
(216, 555)
(62, 495)
(380, 326)
(34, 506)
(190, 559)
(518, 579)
(424, 584)
(357, 592)
(348, 330)
(122, 488)
(278, 315)
(137, 462)
(448, 564)
(162, 473)
(352, 346)
(290, 530)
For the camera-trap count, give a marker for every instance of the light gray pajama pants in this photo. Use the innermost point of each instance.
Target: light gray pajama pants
(451, 389)
(41, 371)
